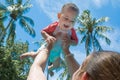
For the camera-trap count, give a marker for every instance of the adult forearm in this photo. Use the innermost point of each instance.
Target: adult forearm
(71, 62)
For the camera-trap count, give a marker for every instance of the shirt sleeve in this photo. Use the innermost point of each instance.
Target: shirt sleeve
(74, 36)
(50, 28)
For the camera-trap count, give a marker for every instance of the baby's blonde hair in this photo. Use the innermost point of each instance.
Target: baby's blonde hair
(70, 6)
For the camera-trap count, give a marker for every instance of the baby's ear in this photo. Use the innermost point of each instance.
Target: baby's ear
(59, 14)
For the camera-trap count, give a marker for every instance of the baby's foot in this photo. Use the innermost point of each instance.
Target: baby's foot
(31, 54)
(24, 55)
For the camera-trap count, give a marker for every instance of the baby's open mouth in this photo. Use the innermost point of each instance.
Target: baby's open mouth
(66, 26)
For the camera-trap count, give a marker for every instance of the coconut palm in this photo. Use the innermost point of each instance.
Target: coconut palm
(15, 12)
(92, 29)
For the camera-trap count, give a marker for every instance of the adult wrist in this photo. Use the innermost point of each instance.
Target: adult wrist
(69, 55)
(66, 51)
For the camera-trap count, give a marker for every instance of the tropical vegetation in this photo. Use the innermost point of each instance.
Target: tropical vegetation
(92, 30)
(14, 11)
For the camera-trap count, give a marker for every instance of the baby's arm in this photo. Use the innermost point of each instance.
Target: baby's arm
(48, 37)
(48, 32)
(74, 39)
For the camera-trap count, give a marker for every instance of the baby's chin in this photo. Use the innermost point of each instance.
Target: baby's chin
(64, 28)
(67, 28)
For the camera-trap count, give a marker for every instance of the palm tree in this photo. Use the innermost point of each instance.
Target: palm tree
(92, 29)
(15, 11)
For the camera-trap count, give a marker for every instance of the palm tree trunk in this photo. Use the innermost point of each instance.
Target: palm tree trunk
(3, 33)
(9, 24)
(86, 49)
(93, 42)
(86, 45)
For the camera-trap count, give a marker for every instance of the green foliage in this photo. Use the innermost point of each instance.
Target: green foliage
(15, 10)
(92, 29)
(11, 67)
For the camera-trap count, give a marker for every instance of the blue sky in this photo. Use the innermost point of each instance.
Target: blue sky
(45, 12)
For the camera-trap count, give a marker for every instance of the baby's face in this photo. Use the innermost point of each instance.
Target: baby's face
(67, 19)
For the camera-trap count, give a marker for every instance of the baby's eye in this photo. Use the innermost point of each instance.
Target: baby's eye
(66, 18)
(72, 21)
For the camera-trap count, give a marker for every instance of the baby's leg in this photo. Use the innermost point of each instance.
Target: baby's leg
(31, 54)
(54, 65)
(28, 54)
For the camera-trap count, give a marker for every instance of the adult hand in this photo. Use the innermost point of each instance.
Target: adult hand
(66, 41)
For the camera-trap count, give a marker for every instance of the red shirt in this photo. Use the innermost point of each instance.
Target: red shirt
(51, 28)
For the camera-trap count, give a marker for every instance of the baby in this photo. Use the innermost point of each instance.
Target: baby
(56, 32)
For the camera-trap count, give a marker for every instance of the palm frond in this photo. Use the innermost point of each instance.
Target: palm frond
(81, 30)
(3, 18)
(27, 2)
(26, 7)
(83, 39)
(9, 2)
(97, 45)
(81, 21)
(107, 40)
(101, 35)
(19, 1)
(3, 10)
(27, 27)
(31, 22)
(101, 20)
(11, 34)
(2, 7)
(86, 14)
(103, 29)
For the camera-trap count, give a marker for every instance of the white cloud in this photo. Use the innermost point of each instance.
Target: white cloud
(51, 7)
(100, 3)
(115, 41)
(115, 3)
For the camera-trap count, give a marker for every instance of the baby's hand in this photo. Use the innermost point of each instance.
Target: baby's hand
(50, 40)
